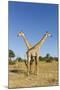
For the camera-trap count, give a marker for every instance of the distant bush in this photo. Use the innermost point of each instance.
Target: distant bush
(19, 59)
(41, 58)
(49, 60)
(11, 62)
(56, 59)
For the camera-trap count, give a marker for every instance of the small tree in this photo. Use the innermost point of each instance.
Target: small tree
(40, 58)
(19, 59)
(11, 54)
(55, 58)
(47, 55)
(48, 58)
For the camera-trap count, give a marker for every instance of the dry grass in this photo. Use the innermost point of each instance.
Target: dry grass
(48, 75)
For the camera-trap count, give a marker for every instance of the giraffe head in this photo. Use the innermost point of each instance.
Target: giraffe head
(48, 34)
(20, 34)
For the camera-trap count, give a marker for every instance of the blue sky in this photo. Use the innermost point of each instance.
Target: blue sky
(34, 20)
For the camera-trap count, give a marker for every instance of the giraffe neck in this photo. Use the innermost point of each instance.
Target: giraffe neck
(41, 42)
(26, 42)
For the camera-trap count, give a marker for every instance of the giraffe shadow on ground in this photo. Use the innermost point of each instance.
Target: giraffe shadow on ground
(23, 72)
(18, 71)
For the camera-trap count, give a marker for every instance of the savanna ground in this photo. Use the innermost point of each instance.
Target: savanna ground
(48, 75)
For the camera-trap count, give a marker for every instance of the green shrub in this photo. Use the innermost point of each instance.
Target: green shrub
(11, 62)
(48, 60)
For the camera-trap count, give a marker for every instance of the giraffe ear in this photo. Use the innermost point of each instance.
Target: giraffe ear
(46, 31)
(51, 35)
(17, 35)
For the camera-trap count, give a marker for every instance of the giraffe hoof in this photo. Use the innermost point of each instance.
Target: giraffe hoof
(28, 74)
(35, 73)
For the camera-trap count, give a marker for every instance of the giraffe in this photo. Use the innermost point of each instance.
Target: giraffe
(33, 51)
(27, 44)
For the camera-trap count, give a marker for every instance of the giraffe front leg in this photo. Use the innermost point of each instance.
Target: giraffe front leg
(28, 66)
(31, 62)
(36, 64)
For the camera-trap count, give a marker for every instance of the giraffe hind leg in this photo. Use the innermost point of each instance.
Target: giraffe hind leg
(31, 62)
(35, 65)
